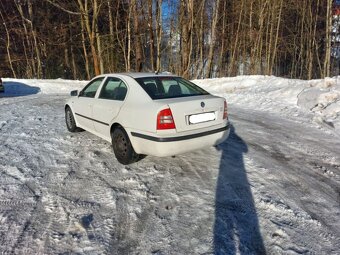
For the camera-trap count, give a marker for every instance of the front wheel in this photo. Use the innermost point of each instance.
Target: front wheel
(70, 121)
(122, 147)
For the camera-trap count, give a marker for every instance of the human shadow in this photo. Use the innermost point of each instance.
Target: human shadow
(16, 89)
(236, 228)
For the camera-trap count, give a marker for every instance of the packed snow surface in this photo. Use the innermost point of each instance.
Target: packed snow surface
(273, 187)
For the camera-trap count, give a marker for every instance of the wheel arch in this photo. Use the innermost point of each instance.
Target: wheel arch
(132, 156)
(114, 126)
(67, 106)
(118, 125)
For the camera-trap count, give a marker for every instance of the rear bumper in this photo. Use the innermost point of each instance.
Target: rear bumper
(172, 145)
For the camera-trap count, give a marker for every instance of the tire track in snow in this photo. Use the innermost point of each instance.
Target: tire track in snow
(299, 171)
(288, 221)
(132, 220)
(33, 172)
(291, 222)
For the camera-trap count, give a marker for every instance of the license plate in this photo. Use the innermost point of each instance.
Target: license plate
(202, 117)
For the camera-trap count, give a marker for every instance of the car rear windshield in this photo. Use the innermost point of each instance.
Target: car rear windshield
(169, 87)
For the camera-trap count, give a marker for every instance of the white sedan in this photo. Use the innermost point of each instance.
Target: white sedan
(148, 114)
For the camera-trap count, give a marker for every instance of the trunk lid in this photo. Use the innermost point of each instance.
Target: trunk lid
(197, 112)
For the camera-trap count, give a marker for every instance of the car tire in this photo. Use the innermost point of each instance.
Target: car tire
(122, 147)
(70, 121)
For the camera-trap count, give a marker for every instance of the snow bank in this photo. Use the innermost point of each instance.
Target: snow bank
(316, 100)
(58, 86)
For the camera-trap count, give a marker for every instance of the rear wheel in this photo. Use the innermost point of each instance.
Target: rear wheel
(122, 147)
(70, 121)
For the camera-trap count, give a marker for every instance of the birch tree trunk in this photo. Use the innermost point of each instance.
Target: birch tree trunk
(128, 66)
(213, 39)
(87, 68)
(186, 23)
(327, 61)
(121, 40)
(35, 40)
(159, 33)
(8, 45)
(91, 29)
(32, 48)
(151, 35)
(200, 46)
(232, 68)
(273, 57)
(220, 65)
(138, 47)
(111, 38)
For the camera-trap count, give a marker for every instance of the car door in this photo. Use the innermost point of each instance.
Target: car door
(83, 105)
(110, 100)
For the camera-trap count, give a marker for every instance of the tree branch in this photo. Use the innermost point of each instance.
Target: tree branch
(62, 8)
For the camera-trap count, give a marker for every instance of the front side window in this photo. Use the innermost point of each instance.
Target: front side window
(169, 87)
(113, 89)
(91, 89)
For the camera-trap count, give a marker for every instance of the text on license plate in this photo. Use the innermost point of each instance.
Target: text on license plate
(202, 117)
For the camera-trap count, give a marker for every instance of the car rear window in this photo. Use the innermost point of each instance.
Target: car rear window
(169, 87)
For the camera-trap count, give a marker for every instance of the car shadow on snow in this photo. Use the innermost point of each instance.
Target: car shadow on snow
(236, 228)
(16, 89)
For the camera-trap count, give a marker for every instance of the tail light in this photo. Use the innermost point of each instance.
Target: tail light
(225, 112)
(165, 120)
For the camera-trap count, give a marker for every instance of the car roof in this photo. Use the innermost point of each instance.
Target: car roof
(142, 75)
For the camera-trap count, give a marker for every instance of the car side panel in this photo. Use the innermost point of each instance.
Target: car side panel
(105, 112)
(82, 107)
(82, 110)
(138, 111)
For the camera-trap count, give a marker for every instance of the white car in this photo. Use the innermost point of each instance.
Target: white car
(148, 114)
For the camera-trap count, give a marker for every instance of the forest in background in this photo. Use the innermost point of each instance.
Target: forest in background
(78, 39)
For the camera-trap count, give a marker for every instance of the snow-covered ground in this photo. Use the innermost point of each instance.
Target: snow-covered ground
(273, 186)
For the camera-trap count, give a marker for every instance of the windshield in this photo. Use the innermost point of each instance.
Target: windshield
(169, 87)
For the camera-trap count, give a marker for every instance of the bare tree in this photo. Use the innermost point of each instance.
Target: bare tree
(159, 33)
(36, 60)
(214, 21)
(8, 45)
(186, 17)
(90, 24)
(151, 34)
(327, 59)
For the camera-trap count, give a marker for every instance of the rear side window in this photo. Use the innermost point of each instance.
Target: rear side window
(113, 89)
(169, 87)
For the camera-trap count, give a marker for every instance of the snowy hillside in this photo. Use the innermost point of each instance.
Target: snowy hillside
(272, 187)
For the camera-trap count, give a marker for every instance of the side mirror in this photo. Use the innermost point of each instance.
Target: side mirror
(74, 93)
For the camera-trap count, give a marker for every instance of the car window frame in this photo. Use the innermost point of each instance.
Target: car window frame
(81, 93)
(105, 83)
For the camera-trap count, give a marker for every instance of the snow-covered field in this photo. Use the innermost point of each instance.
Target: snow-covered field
(273, 186)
